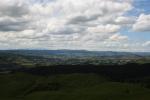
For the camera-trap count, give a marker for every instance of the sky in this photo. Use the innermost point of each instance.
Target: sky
(101, 25)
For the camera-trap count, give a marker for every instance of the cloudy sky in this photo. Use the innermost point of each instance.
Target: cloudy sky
(105, 25)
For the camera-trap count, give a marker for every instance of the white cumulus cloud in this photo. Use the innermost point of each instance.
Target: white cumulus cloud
(67, 24)
(142, 24)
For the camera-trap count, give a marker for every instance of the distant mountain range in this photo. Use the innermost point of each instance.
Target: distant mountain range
(75, 53)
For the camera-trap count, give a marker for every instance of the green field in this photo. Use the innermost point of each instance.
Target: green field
(21, 86)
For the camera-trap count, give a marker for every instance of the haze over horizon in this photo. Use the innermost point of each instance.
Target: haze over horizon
(94, 25)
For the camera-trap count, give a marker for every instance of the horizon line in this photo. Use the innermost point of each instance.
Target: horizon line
(72, 50)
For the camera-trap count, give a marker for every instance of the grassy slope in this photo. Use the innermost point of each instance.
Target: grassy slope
(20, 86)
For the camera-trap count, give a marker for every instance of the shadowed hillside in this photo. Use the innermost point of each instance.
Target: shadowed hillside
(74, 75)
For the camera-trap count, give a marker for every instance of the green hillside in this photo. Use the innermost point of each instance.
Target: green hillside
(21, 86)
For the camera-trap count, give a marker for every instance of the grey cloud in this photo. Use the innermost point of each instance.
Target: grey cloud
(12, 16)
(13, 10)
(68, 30)
(13, 25)
(83, 19)
(43, 37)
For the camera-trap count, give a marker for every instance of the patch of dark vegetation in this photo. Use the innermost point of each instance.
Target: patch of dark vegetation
(128, 72)
(43, 87)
